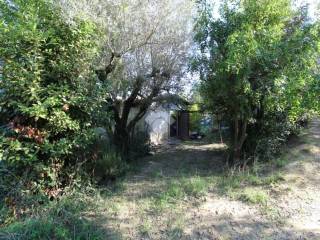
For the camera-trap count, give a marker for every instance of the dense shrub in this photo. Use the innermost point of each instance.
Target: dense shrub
(48, 88)
(49, 104)
(266, 144)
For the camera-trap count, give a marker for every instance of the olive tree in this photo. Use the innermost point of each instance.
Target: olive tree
(145, 50)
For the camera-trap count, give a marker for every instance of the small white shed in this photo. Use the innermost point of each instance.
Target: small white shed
(162, 121)
(157, 124)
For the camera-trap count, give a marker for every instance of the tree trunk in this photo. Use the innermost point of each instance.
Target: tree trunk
(239, 135)
(220, 131)
(121, 138)
(124, 129)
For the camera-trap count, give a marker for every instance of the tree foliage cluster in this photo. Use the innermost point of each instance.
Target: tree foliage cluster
(49, 100)
(143, 59)
(259, 68)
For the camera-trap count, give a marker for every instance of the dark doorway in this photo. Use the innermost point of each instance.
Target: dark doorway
(173, 125)
(183, 125)
(179, 125)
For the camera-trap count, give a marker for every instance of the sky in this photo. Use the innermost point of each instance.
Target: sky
(313, 6)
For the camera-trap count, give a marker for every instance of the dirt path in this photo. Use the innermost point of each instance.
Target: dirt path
(182, 193)
(301, 206)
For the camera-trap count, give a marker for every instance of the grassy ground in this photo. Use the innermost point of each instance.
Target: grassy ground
(184, 192)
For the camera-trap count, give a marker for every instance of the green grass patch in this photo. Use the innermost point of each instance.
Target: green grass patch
(254, 196)
(157, 174)
(172, 193)
(195, 186)
(145, 228)
(247, 186)
(263, 181)
(175, 227)
(229, 183)
(74, 216)
(273, 179)
(226, 184)
(281, 162)
(177, 189)
(272, 213)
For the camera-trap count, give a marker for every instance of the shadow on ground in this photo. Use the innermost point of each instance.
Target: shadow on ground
(213, 214)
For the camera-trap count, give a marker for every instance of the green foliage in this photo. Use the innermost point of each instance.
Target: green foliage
(145, 228)
(281, 162)
(173, 192)
(49, 104)
(195, 118)
(259, 69)
(48, 87)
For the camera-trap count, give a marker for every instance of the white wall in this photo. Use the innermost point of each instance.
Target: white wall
(158, 125)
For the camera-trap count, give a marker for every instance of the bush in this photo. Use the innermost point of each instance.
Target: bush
(49, 102)
(139, 145)
(48, 92)
(109, 165)
(275, 131)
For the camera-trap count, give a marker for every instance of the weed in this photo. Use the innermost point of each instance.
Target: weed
(145, 228)
(175, 227)
(272, 213)
(175, 233)
(109, 165)
(254, 180)
(116, 189)
(172, 193)
(227, 184)
(178, 189)
(113, 208)
(195, 186)
(63, 219)
(157, 174)
(223, 238)
(159, 205)
(273, 179)
(175, 190)
(254, 196)
(281, 162)
(259, 181)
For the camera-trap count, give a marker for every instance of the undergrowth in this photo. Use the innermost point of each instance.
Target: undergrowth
(74, 216)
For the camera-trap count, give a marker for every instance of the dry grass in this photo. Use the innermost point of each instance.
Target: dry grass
(185, 192)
